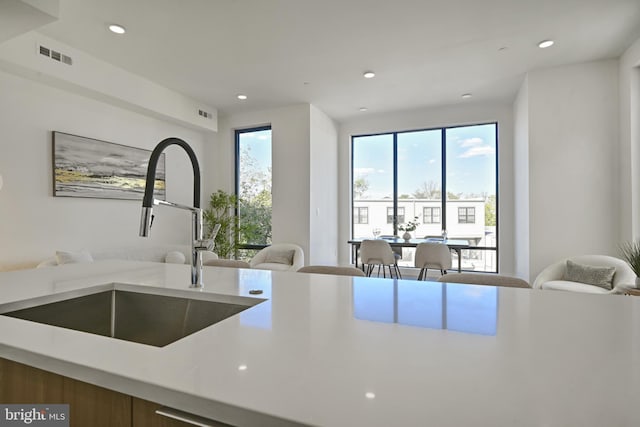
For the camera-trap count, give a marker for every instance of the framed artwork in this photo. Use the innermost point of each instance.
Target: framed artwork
(86, 167)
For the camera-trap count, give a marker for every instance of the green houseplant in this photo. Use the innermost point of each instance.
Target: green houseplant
(221, 211)
(410, 226)
(631, 254)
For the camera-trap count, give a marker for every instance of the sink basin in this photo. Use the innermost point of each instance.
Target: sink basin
(132, 315)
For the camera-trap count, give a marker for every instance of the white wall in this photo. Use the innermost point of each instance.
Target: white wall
(323, 170)
(290, 129)
(521, 180)
(92, 77)
(573, 162)
(461, 114)
(33, 224)
(630, 143)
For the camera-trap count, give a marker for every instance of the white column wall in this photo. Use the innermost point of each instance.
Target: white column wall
(630, 143)
(574, 200)
(462, 114)
(33, 223)
(521, 181)
(323, 202)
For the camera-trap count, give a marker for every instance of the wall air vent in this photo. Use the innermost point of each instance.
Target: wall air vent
(205, 114)
(56, 56)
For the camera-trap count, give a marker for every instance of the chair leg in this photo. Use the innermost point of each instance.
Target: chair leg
(369, 270)
(398, 274)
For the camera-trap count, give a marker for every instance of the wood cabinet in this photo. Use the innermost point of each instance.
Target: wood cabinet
(89, 405)
(144, 415)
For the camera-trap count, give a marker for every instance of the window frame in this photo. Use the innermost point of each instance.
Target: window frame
(359, 215)
(432, 209)
(443, 207)
(464, 218)
(237, 133)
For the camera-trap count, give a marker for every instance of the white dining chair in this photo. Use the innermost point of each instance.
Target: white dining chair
(378, 253)
(432, 255)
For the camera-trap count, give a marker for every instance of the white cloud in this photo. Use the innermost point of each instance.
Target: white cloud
(482, 150)
(432, 161)
(263, 137)
(380, 171)
(471, 142)
(363, 171)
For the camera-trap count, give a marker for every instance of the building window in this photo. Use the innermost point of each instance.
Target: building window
(253, 185)
(466, 215)
(431, 215)
(400, 215)
(361, 215)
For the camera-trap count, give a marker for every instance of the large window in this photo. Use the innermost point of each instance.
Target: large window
(253, 186)
(447, 177)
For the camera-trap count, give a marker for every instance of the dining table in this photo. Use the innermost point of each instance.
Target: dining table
(456, 245)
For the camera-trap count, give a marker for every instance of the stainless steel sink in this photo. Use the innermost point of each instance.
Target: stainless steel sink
(142, 317)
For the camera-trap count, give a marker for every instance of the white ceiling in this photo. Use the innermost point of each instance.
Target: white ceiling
(281, 52)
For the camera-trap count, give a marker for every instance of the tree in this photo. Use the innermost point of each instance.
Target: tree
(221, 211)
(360, 186)
(428, 190)
(254, 202)
(453, 196)
(490, 211)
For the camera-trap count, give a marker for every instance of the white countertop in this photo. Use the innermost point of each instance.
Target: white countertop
(341, 351)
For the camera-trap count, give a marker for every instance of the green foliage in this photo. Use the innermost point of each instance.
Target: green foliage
(254, 201)
(410, 226)
(255, 223)
(631, 254)
(360, 186)
(453, 196)
(221, 211)
(490, 211)
(429, 190)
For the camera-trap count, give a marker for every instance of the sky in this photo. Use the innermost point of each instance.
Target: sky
(259, 144)
(471, 160)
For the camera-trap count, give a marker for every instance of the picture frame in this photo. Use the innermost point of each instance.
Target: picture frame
(92, 168)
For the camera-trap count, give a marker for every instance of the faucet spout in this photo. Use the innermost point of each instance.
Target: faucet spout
(146, 218)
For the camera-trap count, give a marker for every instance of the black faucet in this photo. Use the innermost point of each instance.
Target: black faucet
(198, 244)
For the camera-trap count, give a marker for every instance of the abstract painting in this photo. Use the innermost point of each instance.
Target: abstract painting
(85, 167)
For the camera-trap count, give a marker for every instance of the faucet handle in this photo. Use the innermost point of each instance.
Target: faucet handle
(214, 232)
(208, 244)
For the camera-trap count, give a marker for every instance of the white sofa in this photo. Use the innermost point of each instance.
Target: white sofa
(553, 277)
(176, 254)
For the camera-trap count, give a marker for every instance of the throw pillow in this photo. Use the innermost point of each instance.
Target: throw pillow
(596, 276)
(82, 256)
(280, 256)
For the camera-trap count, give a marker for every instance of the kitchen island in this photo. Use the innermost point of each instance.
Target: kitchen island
(349, 351)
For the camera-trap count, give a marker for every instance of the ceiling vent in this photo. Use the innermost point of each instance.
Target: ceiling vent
(56, 56)
(205, 114)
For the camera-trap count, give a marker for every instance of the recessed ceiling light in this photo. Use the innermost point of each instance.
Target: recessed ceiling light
(466, 95)
(242, 97)
(545, 43)
(370, 395)
(363, 109)
(369, 74)
(117, 29)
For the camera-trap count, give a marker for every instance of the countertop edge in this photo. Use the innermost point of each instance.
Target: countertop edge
(214, 410)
